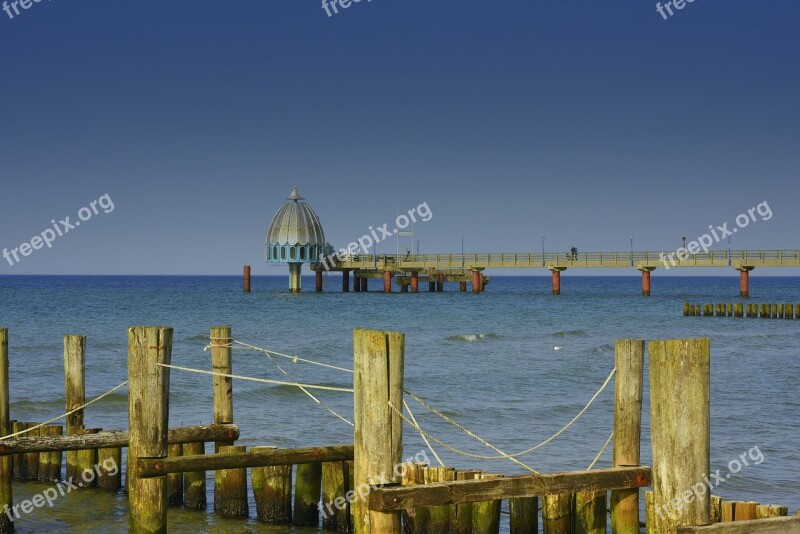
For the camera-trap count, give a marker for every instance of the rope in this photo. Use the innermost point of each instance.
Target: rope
(599, 454)
(262, 380)
(304, 390)
(40, 425)
(418, 429)
(535, 447)
(294, 359)
(463, 453)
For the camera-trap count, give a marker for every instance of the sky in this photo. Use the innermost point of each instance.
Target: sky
(580, 122)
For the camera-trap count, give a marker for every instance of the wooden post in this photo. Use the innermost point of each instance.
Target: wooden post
(85, 460)
(463, 522)
(590, 512)
(307, 488)
(649, 511)
(378, 439)
(75, 388)
(19, 465)
(6, 523)
(194, 482)
(221, 341)
(629, 361)
(439, 516)
(247, 279)
(416, 519)
(524, 515)
(680, 383)
(486, 515)
(148, 420)
(31, 458)
(746, 511)
(175, 480)
(728, 511)
(109, 463)
(230, 488)
(765, 511)
(50, 462)
(272, 492)
(557, 513)
(715, 509)
(335, 508)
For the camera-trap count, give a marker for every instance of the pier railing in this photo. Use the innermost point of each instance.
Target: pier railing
(533, 260)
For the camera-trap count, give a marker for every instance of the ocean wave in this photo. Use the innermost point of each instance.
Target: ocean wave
(471, 338)
(570, 333)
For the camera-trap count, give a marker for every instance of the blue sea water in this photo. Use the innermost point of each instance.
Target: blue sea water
(513, 365)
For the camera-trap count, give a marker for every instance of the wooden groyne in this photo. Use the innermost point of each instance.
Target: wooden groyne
(367, 486)
(741, 310)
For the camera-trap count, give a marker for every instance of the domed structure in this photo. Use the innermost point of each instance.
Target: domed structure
(295, 236)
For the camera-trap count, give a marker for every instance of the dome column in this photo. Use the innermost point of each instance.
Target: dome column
(295, 284)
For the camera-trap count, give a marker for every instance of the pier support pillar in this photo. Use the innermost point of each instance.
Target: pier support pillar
(477, 281)
(440, 282)
(404, 288)
(462, 287)
(345, 281)
(744, 280)
(557, 279)
(646, 279)
(295, 283)
(387, 282)
(415, 282)
(364, 284)
(246, 279)
(431, 286)
(319, 281)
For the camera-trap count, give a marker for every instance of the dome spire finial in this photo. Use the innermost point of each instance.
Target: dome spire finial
(295, 195)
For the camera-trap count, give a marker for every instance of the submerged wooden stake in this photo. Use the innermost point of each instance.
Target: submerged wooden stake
(148, 418)
(272, 491)
(378, 429)
(524, 515)
(6, 497)
(175, 480)
(557, 513)
(680, 421)
(590, 512)
(629, 361)
(230, 488)
(223, 386)
(75, 389)
(486, 515)
(194, 482)
(109, 464)
(50, 462)
(307, 488)
(335, 508)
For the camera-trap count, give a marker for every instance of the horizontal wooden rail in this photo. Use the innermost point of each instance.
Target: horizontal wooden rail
(392, 498)
(115, 438)
(154, 467)
(786, 525)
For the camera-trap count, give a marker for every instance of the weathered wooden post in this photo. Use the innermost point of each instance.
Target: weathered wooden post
(109, 463)
(230, 488)
(148, 421)
(75, 388)
(6, 524)
(85, 460)
(439, 516)
(272, 491)
(416, 519)
(335, 508)
(557, 513)
(629, 361)
(524, 515)
(680, 371)
(194, 483)
(378, 440)
(307, 490)
(221, 341)
(175, 480)
(590, 512)
(50, 462)
(486, 515)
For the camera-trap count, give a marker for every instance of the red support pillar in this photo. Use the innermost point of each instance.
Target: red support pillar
(440, 282)
(345, 281)
(247, 279)
(556, 282)
(387, 282)
(462, 286)
(319, 281)
(646, 280)
(477, 281)
(415, 282)
(744, 281)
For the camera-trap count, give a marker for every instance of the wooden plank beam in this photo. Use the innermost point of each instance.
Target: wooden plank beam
(391, 498)
(115, 438)
(786, 525)
(154, 467)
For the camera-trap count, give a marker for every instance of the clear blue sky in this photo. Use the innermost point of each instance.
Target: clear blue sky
(581, 121)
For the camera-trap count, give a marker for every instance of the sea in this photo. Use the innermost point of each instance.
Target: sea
(513, 365)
